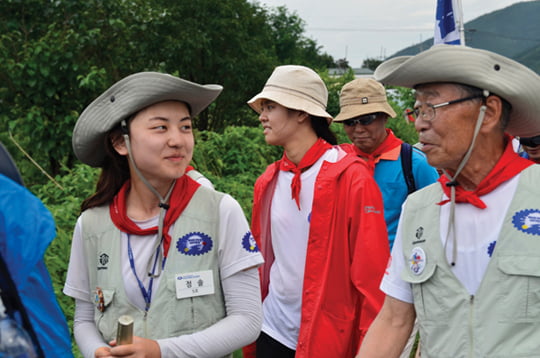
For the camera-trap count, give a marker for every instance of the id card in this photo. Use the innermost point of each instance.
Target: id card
(193, 284)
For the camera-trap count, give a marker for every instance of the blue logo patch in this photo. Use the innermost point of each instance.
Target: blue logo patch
(527, 221)
(194, 244)
(491, 247)
(248, 242)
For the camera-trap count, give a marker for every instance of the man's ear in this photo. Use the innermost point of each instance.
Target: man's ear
(493, 114)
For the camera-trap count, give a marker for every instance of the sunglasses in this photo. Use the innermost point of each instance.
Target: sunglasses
(530, 141)
(363, 120)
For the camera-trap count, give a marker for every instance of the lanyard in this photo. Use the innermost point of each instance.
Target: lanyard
(147, 293)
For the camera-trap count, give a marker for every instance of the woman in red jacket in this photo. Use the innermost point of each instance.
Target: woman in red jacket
(318, 218)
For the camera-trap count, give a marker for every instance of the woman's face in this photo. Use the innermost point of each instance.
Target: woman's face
(161, 141)
(278, 122)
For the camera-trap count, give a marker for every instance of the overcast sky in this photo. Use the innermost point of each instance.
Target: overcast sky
(360, 29)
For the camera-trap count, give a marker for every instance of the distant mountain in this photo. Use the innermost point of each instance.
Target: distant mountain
(513, 32)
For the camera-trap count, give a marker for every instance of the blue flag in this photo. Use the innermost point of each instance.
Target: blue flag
(446, 23)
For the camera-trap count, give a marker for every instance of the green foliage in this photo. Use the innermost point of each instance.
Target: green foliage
(371, 63)
(57, 56)
(401, 99)
(334, 85)
(233, 160)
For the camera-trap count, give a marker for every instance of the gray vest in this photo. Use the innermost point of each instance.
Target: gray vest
(194, 247)
(502, 320)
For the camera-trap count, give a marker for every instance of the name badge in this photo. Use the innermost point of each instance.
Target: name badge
(193, 284)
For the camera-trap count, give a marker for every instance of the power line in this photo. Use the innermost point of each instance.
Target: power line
(352, 29)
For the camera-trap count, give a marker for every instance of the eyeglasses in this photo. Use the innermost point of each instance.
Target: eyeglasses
(532, 142)
(363, 120)
(428, 112)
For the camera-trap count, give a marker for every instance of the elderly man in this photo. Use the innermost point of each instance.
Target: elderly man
(467, 253)
(398, 168)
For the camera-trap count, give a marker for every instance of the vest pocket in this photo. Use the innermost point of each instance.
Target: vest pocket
(429, 304)
(520, 274)
(104, 322)
(192, 314)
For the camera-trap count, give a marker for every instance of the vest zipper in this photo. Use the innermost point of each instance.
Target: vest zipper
(471, 328)
(144, 323)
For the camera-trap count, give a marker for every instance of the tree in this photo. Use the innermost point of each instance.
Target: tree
(371, 63)
(342, 63)
(56, 56)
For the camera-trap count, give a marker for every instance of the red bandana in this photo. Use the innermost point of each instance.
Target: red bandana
(509, 165)
(389, 143)
(311, 156)
(183, 191)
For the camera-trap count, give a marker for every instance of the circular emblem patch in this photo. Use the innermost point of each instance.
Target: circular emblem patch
(417, 261)
(248, 243)
(527, 221)
(194, 244)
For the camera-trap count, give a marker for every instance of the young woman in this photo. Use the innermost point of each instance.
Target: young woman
(152, 243)
(318, 215)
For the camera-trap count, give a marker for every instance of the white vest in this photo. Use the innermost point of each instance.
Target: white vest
(502, 320)
(167, 316)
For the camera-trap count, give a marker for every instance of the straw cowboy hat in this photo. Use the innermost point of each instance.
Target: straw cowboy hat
(127, 97)
(483, 69)
(362, 96)
(295, 87)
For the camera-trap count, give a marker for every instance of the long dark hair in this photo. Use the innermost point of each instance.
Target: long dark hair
(114, 173)
(322, 129)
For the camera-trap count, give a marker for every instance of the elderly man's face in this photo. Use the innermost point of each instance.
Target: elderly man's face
(447, 136)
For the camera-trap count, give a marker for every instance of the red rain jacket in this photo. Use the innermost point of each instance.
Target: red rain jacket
(346, 256)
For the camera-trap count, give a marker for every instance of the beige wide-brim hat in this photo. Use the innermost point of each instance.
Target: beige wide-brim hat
(514, 82)
(295, 87)
(128, 96)
(360, 97)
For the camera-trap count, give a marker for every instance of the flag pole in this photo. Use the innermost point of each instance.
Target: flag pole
(460, 22)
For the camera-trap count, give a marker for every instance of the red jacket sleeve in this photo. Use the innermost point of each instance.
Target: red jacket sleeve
(369, 242)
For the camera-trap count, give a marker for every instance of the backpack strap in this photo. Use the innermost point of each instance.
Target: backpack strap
(406, 165)
(13, 305)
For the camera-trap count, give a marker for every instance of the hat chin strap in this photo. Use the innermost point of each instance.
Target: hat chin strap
(163, 203)
(453, 183)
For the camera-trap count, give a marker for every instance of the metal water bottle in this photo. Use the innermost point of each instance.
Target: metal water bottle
(124, 333)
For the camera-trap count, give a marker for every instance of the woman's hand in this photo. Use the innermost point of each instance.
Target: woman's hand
(140, 348)
(103, 352)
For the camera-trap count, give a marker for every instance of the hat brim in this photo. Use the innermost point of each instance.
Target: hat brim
(287, 100)
(127, 97)
(356, 110)
(499, 75)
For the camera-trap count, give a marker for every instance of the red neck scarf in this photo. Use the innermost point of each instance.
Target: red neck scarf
(509, 165)
(389, 143)
(183, 191)
(311, 156)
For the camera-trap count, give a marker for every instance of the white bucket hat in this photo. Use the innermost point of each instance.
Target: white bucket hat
(360, 97)
(295, 87)
(128, 96)
(514, 82)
